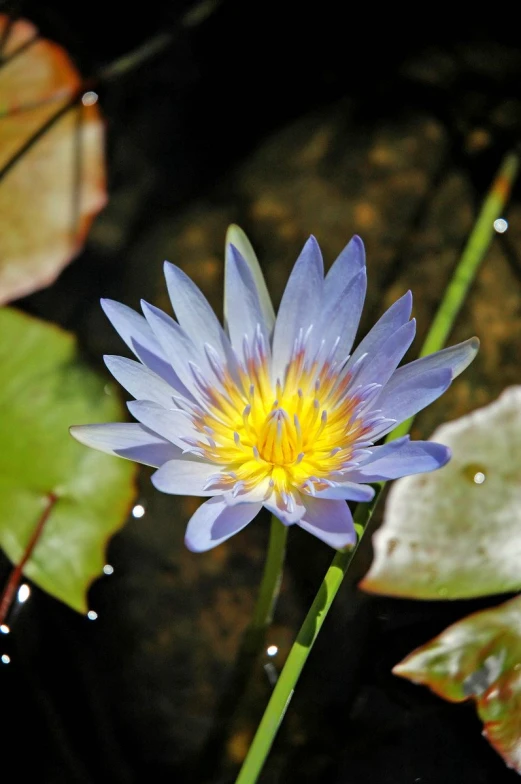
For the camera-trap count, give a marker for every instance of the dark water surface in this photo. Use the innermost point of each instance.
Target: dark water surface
(288, 126)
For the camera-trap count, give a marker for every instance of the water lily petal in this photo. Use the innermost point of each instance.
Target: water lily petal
(242, 309)
(347, 491)
(456, 358)
(235, 236)
(288, 511)
(176, 345)
(184, 477)
(257, 494)
(331, 521)
(215, 521)
(193, 310)
(340, 319)
(140, 381)
(380, 365)
(301, 305)
(401, 400)
(393, 318)
(346, 267)
(172, 424)
(140, 339)
(128, 440)
(411, 457)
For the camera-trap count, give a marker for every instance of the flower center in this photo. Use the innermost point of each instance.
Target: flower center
(277, 440)
(298, 433)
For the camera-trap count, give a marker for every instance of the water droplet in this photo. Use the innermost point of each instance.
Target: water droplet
(517, 666)
(475, 473)
(138, 510)
(500, 225)
(89, 98)
(92, 615)
(5, 658)
(272, 650)
(108, 569)
(23, 593)
(4, 628)
(442, 591)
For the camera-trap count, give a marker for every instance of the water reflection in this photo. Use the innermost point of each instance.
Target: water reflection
(89, 98)
(138, 510)
(5, 658)
(23, 593)
(272, 673)
(500, 225)
(92, 615)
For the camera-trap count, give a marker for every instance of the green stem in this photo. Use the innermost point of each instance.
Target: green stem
(473, 253)
(251, 645)
(450, 306)
(271, 578)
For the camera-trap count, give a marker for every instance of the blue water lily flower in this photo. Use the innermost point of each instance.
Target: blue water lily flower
(273, 411)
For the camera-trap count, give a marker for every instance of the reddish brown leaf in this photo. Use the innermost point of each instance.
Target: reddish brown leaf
(479, 658)
(50, 194)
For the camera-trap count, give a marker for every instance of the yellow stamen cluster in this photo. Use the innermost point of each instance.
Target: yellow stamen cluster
(287, 434)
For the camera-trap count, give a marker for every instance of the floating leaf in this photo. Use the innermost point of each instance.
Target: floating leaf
(456, 533)
(50, 190)
(44, 390)
(479, 658)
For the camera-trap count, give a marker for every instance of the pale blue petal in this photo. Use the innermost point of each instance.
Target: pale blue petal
(172, 424)
(379, 366)
(235, 236)
(138, 336)
(347, 491)
(177, 346)
(214, 522)
(286, 513)
(397, 315)
(330, 521)
(301, 305)
(401, 400)
(257, 494)
(413, 457)
(342, 317)
(141, 382)
(193, 310)
(242, 310)
(456, 358)
(346, 267)
(128, 440)
(184, 477)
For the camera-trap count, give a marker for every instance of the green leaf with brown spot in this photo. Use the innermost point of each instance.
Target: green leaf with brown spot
(45, 389)
(478, 658)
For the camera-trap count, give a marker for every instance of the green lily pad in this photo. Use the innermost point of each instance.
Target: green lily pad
(456, 533)
(44, 390)
(479, 658)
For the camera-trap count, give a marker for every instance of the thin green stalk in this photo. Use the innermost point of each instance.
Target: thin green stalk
(450, 306)
(271, 580)
(251, 645)
(473, 254)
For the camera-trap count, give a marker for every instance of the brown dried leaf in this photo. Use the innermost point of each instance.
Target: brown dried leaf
(50, 194)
